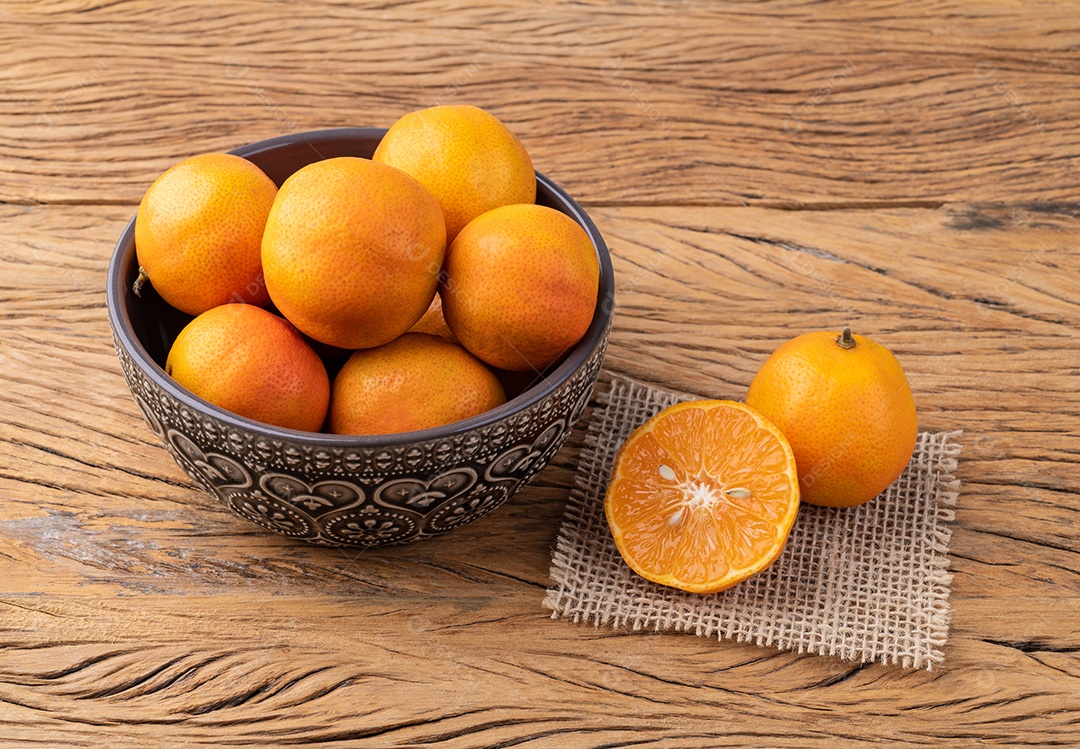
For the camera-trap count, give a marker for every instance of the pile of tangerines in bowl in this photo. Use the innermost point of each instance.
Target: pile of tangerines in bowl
(429, 266)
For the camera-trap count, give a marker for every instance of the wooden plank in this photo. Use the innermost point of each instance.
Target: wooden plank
(910, 102)
(491, 671)
(133, 607)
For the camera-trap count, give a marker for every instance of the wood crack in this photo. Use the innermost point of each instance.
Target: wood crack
(1032, 646)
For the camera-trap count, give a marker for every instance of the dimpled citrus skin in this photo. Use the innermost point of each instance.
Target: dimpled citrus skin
(433, 322)
(199, 229)
(520, 285)
(250, 361)
(352, 251)
(418, 381)
(848, 414)
(466, 158)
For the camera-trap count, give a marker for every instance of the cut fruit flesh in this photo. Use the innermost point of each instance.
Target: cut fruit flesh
(702, 496)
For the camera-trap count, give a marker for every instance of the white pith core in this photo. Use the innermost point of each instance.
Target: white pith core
(699, 496)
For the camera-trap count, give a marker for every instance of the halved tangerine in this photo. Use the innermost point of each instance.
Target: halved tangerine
(703, 495)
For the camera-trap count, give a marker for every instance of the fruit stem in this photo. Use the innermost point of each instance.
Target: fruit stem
(138, 284)
(845, 340)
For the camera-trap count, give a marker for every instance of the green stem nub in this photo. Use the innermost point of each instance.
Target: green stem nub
(845, 339)
(142, 279)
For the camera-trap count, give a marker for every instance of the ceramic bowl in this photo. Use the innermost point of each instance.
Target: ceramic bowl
(353, 490)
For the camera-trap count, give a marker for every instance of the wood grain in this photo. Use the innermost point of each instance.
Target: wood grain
(892, 102)
(134, 607)
(906, 166)
(488, 673)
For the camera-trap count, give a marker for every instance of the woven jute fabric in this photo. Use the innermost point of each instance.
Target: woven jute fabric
(863, 584)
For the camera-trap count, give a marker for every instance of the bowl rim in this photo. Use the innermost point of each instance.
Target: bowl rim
(123, 256)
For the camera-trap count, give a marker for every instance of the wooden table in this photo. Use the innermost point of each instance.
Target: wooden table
(759, 170)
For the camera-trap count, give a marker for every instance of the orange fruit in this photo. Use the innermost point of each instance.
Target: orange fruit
(845, 406)
(466, 158)
(433, 322)
(352, 251)
(702, 496)
(416, 382)
(519, 286)
(199, 229)
(249, 361)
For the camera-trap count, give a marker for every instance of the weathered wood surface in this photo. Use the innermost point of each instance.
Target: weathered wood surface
(135, 605)
(134, 611)
(895, 101)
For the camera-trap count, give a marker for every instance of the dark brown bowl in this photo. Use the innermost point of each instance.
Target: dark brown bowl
(363, 490)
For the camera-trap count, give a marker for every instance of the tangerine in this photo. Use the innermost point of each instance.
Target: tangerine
(352, 251)
(702, 496)
(844, 404)
(417, 381)
(250, 361)
(199, 229)
(519, 286)
(466, 158)
(433, 322)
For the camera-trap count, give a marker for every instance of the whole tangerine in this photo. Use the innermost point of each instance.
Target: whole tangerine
(417, 381)
(466, 157)
(253, 363)
(845, 405)
(352, 251)
(198, 232)
(519, 286)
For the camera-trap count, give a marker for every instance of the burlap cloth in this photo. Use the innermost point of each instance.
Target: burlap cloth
(863, 584)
